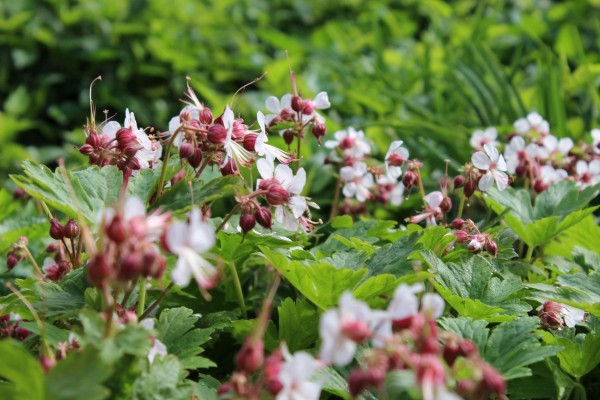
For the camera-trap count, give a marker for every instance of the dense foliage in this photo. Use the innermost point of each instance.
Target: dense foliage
(396, 220)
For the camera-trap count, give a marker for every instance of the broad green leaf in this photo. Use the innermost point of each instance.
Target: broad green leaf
(12, 228)
(163, 380)
(394, 258)
(54, 335)
(586, 234)
(92, 188)
(579, 354)
(21, 373)
(473, 330)
(179, 197)
(578, 290)
(512, 346)
(298, 324)
(78, 377)
(176, 329)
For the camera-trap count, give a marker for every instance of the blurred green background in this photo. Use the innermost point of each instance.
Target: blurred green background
(426, 71)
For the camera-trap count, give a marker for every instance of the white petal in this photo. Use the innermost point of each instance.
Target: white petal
(501, 179)
(284, 175)
(297, 205)
(176, 236)
(286, 101)
(134, 208)
(432, 303)
(486, 181)
(501, 163)
(322, 101)
(491, 151)
(434, 199)
(182, 273)
(272, 104)
(265, 168)
(298, 182)
(260, 118)
(480, 160)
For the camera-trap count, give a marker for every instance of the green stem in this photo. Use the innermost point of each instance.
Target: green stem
(38, 271)
(336, 199)
(163, 171)
(227, 217)
(156, 302)
(141, 303)
(529, 253)
(238, 289)
(299, 134)
(461, 205)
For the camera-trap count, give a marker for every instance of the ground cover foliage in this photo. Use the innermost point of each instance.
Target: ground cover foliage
(409, 215)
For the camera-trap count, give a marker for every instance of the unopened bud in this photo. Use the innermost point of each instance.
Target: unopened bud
(461, 236)
(491, 247)
(309, 107)
(264, 217)
(93, 140)
(86, 150)
(521, 170)
(288, 136)
(395, 160)
(540, 186)
(250, 141)
(551, 320)
(206, 116)
(11, 260)
(186, 150)
(319, 130)
(247, 222)
(470, 187)
(446, 204)
(52, 248)
(277, 195)
(47, 363)
(357, 331)
(116, 230)
(457, 223)
(230, 168)
(297, 103)
(285, 114)
(131, 267)
(217, 134)
(71, 229)
(196, 158)
(493, 381)
(409, 179)
(56, 229)
(251, 356)
(99, 270)
(459, 181)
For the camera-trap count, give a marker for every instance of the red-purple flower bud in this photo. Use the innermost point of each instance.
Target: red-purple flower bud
(461, 236)
(493, 381)
(131, 267)
(264, 217)
(247, 222)
(196, 158)
(86, 150)
(409, 179)
(217, 134)
(58, 271)
(457, 223)
(451, 352)
(275, 120)
(521, 170)
(56, 229)
(459, 181)
(52, 247)
(446, 204)
(99, 270)
(116, 230)
(491, 247)
(395, 160)
(93, 140)
(357, 331)
(251, 356)
(230, 168)
(277, 195)
(250, 141)
(11, 260)
(206, 116)
(47, 363)
(540, 186)
(309, 107)
(551, 320)
(285, 114)
(297, 103)
(470, 187)
(319, 130)
(71, 229)
(186, 150)
(21, 333)
(19, 193)
(288, 136)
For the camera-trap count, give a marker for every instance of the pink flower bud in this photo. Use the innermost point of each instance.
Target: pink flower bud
(58, 271)
(461, 236)
(288, 136)
(230, 168)
(451, 352)
(86, 150)
(476, 244)
(552, 306)
(493, 381)
(206, 116)
(11, 260)
(47, 363)
(409, 179)
(19, 193)
(395, 160)
(459, 181)
(99, 270)
(56, 229)
(540, 186)
(309, 107)
(470, 187)
(186, 150)
(116, 230)
(297, 103)
(250, 141)
(264, 217)
(247, 222)
(521, 170)
(551, 320)
(277, 195)
(93, 140)
(357, 331)
(319, 130)
(491, 247)
(446, 204)
(217, 134)
(251, 356)
(71, 229)
(52, 248)
(457, 223)
(275, 120)
(21, 333)
(131, 267)
(285, 114)
(196, 158)
(273, 365)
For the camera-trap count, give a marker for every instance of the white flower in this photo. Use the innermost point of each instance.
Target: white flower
(295, 376)
(479, 138)
(549, 174)
(393, 189)
(276, 107)
(138, 224)
(351, 142)
(517, 151)
(175, 122)
(394, 158)
(321, 102)
(187, 241)
(288, 213)
(596, 140)
(432, 209)
(233, 149)
(340, 330)
(492, 162)
(551, 146)
(358, 181)
(572, 315)
(533, 121)
(158, 348)
(265, 150)
(405, 303)
(588, 174)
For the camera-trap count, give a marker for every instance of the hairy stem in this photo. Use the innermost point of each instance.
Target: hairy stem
(238, 289)
(163, 171)
(141, 303)
(156, 302)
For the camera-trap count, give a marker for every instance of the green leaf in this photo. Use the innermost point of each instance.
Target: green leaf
(93, 188)
(78, 377)
(512, 346)
(12, 228)
(22, 374)
(178, 198)
(580, 353)
(54, 335)
(163, 380)
(298, 324)
(473, 330)
(394, 258)
(176, 329)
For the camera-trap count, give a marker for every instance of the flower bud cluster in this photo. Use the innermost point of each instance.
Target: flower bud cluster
(9, 328)
(467, 233)
(555, 316)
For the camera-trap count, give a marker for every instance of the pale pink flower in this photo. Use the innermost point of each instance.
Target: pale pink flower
(492, 162)
(517, 152)
(552, 146)
(395, 157)
(588, 174)
(234, 150)
(432, 209)
(187, 241)
(275, 106)
(294, 376)
(482, 137)
(596, 140)
(342, 328)
(266, 150)
(351, 142)
(533, 121)
(357, 181)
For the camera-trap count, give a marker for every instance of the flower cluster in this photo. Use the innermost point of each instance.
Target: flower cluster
(128, 147)
(467, 232)
(556, 315)
(9, 327)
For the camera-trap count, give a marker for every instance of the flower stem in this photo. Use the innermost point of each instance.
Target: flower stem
(38, 271)
(141, 303)
(163, 171)
(238, 288)
(227, 217)
(336, 199)
(529, 253)
(156, 302)
(461, 205)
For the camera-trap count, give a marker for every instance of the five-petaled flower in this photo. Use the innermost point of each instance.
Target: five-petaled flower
(493, 162)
